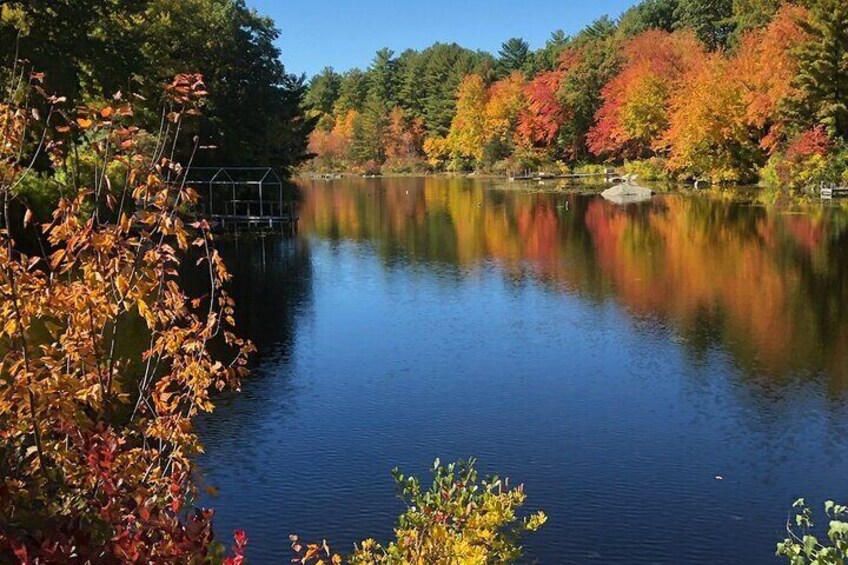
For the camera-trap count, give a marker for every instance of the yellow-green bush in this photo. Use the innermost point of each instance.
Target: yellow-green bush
(459, 519)
(654, 169)
(801, 547)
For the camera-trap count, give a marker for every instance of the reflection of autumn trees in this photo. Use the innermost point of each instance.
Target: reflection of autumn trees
(764, 284)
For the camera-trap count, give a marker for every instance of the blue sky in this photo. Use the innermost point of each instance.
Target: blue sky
(346, 33)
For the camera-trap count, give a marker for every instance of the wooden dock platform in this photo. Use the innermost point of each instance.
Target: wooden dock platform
(833, 191)
(609, 176)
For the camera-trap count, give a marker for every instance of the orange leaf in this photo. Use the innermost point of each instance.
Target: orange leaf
(84, 123)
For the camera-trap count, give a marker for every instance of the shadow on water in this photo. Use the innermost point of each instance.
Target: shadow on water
(272, 289)
(614, 358)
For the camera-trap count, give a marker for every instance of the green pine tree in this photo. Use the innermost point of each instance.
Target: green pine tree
(823, 60)
(513, 56)
(711, 20)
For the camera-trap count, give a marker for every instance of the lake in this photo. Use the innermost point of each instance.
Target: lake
(615, 360)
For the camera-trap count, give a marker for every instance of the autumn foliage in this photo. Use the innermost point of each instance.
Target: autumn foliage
(458, 519)
(106, 359)
(727, 112)
(543, 114)
(636, 102)
(687, 104)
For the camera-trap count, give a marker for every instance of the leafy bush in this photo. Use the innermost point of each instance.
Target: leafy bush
(809, 160)
(590, 168)
(370, 168)
(405, 165)
(98, 439)
(801, 547)
(459, 519)
(41, 193)
(653, 169)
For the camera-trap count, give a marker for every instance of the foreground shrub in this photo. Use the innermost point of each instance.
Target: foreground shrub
(801, 547)
(458, 519)
(106, 360)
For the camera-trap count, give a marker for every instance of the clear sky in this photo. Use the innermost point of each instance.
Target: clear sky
(346, 33)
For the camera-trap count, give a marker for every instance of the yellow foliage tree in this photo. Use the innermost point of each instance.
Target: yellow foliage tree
(468, 128)
(503, 109)
(708, 135)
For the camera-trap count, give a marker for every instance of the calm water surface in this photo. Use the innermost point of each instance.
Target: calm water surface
(615, 360)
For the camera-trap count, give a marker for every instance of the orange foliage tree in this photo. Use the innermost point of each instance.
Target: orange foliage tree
(727, 110)
(504, 108)
(708, 135)
(403, 137)
(331, 147)
(485, 127)
(634, 113)
(765, 66)
(106, 359)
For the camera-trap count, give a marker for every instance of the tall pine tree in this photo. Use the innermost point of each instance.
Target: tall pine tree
(823, 60)
(711, 20)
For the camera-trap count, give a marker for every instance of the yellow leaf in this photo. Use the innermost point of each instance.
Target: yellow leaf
(143, 309)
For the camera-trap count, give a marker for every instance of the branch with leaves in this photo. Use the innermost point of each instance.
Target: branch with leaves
(107, 359)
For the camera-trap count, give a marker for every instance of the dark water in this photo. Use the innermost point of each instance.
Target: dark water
(615, 360)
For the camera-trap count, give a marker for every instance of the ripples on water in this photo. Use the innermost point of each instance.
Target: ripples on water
(615, 360)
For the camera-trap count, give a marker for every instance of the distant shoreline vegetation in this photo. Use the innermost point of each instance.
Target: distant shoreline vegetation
(736, 91)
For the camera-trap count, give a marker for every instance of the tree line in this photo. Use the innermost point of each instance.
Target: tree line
(724, 91)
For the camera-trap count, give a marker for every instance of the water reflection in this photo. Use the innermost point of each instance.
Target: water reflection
(272, 287)
(764, 284)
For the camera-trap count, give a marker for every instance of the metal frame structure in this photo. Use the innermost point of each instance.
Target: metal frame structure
(242, 195)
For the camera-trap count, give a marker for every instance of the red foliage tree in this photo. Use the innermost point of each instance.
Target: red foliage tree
(543, 115)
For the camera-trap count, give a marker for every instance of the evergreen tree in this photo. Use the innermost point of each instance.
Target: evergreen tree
(587, 70)
(513, 56)
(753, 14)
(547, 58)
(711, 20)
(353, 89)
(324, 90)
(648, 14)
(383, 77)
(444, 68)
(823, 60)
(601, 28)
(368, 132)
(411, 91)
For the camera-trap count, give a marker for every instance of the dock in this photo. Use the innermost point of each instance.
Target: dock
(608, 175)
(829, 192)
(243, 198)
